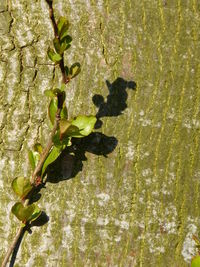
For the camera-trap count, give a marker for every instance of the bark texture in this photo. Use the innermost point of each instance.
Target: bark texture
(131, 196)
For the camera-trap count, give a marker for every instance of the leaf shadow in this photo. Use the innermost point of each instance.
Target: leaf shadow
(40, 221)
(70, 162)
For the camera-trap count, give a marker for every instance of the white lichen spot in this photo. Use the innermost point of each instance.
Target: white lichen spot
(2, 73)
(146, 172)
(170, 227)
(130, 151)
(122, 224)
(141, 113)
(103, 198)
(118, 238)
(102, 221)
(157, 250)
(189, 248)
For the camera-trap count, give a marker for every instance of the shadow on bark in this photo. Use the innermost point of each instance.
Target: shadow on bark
(70, 162)
(40, 221)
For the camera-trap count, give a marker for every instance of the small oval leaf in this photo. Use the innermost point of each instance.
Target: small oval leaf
(57, 46)
(85, 124)
(196, 262)
(21, 186)
(49, 93)
(63, 25)
(56, 58)
(34, 158)
(36, 213)
(56, 140)
(64, 125)
(25, 214)
(53, 155)
(74, 70)
(53, 106)
(64, 113)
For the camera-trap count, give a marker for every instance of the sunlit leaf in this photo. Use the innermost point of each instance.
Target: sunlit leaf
(53, 155)
(64, 125)
(64, 113)
(49, 93)
(34, 158)
(85, 124)
(57, 46)
(56, 140)
(61, 144)
(65, 44)
(74, 70)
(31, 159)
(53, 106)
(21, 186)
(62, 24)
(63, 87)
(56, 58)
(36, 213)
(25, 214)
(196, 262)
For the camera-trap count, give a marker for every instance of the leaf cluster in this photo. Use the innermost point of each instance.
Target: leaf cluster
(62, 137)
(61, 43)
(77, 127)
(22, 187)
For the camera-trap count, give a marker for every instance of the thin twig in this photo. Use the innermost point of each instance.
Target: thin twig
(52, 17)
(49, 143)
(12, 246)
(47, 149)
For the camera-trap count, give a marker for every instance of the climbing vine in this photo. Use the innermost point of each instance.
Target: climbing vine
(64, 131)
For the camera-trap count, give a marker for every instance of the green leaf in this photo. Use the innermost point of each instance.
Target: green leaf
(34, 158)
(64, 125)
(49, 93)
(85, 124)
(64, 113)
(57, 46)
(61, 144)
(36, 213)
(53, 56)
(62, 24)
(25, 214)
(74, 70)
(53, 155)
(66, 141)
(65, 44)
(56, 140)
(21, 186)
(69, 130)
(63, 87)
(53, 106)
(196, 262)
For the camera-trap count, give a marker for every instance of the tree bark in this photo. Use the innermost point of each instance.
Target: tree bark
(129, 194)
